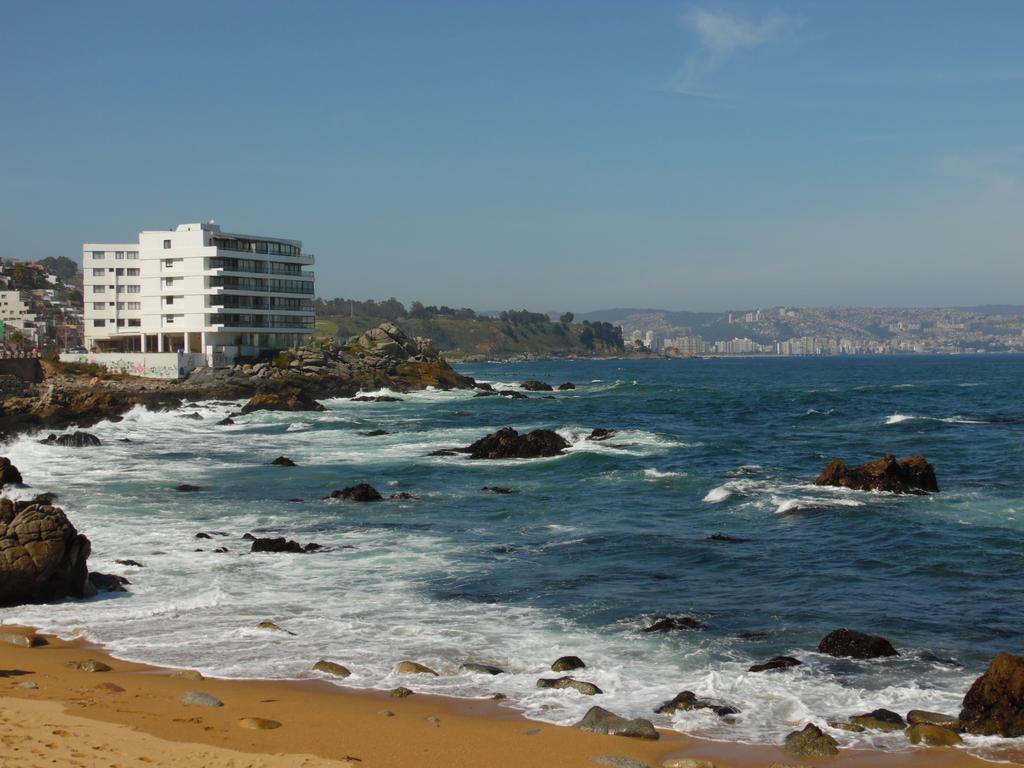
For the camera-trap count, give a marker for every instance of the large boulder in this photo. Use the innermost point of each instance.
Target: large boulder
(910, 475)
(599, 720)
(811, 742)
(855, 645)
(388, 340)
(9, 474)
(287, 399)
(687, 701)
(42, 556)
(360, 492)
(508, 444)
(994, 705)
(533, 385)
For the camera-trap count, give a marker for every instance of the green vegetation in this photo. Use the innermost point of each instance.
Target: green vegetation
(462, 332)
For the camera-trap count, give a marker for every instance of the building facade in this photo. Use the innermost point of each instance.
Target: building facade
(16, 314)
(197, 289)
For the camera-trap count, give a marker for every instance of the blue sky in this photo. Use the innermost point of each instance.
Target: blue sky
(548, 155)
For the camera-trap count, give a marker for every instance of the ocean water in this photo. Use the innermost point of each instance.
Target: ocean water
(592, 547)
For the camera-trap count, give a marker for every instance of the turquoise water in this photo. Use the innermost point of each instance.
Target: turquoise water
(593, 545)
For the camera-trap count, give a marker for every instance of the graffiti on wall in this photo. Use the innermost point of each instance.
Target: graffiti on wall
(166, 365)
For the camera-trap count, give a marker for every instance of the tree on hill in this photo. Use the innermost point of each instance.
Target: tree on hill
(567, 318)
(61, 266)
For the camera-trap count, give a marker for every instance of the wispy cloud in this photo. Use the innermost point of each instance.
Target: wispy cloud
(720, 37)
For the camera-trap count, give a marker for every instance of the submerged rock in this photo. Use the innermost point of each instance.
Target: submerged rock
(9, 474)
(880, 720)
(601, 434)
(73, 440)
(910, 475)
(283, 461)
(994, 705)
(108, 582)
(536, 386)
(375, 433)
(507, 443)
(587, 689)
(482, 669)
(499, 489)
(186, 488)
(359, 492)
(599, 720)
(567, 664)
(778, 662)
(42, 556)
(415, 668)
(856, 645)
(132, 563)
(687, 701)
(674, 623)
(331, 668)
(281, 544)
(377, 399)
(811, 742)
(726, 538)
(566, 386)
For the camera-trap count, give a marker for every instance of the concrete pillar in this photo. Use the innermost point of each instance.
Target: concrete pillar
(159, 342)
(142, 343)
(184, 343)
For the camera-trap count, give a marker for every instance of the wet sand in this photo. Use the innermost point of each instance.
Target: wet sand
(134, 715)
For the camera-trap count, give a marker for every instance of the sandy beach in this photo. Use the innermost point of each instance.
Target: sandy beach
(54, 714)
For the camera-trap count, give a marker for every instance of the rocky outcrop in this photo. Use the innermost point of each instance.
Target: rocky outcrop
(360, 492)
(9, 474)
(910, 475)
(559, 683)
(566, 386)
(108, 582)
(73, 440)
(415, 668)
(776, 663)
(567, 664)
(855, 645)
(994, 705)
(880, 720)
(599, 720)
(288, 399)
(674, 624)
(924, 717)
(536, 386)
(601, 434)
(933, 735)
(482, 669)
(507, 443)
(282, 544)
(282, 461)
(42, 556)
(811, 742)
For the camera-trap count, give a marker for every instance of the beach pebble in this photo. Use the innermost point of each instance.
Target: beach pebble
(331, 668)
(532, 732)
(111, 687)
(258, 724)
(401, 692)
(385, 713)
(22, 641)
(30, 685)
(188, 674)
(567, 664)
(434, 721)
(200, 699)
(89, 665)
(617, 761)
(414, 668)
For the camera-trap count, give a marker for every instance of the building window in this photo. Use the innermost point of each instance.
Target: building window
(134, 305)
(99, 323)
(168, 263)
(120, 305)
(120, 323)
(98, 255)
(132, 272)
(98, 289)
(133, 289)
(120, 289)
(120, 271)
(168, 281)
(168, 318)
(133, 254)
(134, 322)
(98, 272)
(167, 244)
(168, 299)
(118, 254)
(99, 304)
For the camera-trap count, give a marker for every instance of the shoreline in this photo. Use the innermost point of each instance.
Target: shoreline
(137, 708)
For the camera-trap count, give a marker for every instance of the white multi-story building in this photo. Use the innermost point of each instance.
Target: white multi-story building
(16, 313)
(197, 289)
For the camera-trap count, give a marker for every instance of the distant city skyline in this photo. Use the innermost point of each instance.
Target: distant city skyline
(572, 156)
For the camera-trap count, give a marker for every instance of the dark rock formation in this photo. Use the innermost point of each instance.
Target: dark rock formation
(360, 492)
(994, 705)
(687, 701)
(227, 421)
(924, 717)
(287, 399)
(601, 434)
(508, 444)
(108, 582)
(536, 386)
(482, 669)
(499, 489)
(377, 399)
(281, 544)
(9, 474)
(724, 537)
(811, 742)
(855, 645)
(42, 556)
(566, 386)
(132, 563)
(910, 475)
(375, 433)
(512, 394)
(587, 689)
(776, 663)
(600, 720)
(567, 664)
(674, 623)
(203, 535)
(74, 440)
(283, 461)
(880, 720)
(403, 496)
